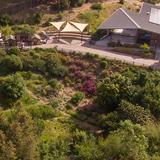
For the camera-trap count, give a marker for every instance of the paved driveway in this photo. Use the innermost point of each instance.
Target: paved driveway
(102, 51)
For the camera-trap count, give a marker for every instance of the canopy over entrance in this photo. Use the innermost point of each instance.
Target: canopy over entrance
(80, 26)
(70, 30)
(69, 26)
(57, 25)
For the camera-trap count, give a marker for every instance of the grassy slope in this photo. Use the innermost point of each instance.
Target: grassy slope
(81, 14)
(40, 93)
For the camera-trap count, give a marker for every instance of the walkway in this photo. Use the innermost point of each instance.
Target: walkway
(101, 51)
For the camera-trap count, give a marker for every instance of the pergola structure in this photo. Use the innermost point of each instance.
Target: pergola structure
(70, 27)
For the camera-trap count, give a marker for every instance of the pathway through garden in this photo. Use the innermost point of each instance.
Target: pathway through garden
(82, 124)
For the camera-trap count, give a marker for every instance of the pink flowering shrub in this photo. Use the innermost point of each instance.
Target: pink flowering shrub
(89, 87)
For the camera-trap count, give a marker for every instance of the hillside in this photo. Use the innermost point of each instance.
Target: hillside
(59, 104)
(79, 14)
(69, 96)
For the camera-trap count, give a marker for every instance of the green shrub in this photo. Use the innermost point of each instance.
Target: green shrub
(55, 103)
(5, 20)
(24, 29)
(13, 88)
(77, 98)
(127, 142)
(54, 83)
(42, 112)
(14, 50)
(80, 136)
(55, 144)
(89, 56)
(7, 31)
(63, 4)
(89, 149)
(135, 113)
(103, 64)
(96, 6)
(35, 18)
(112, 90)
(2, 51)
(38, 65)
(109, 121)
(55, 67)
(11, 63)
(61, 71)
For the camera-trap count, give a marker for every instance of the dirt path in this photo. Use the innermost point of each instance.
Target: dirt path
(40, 100)
(82, 124)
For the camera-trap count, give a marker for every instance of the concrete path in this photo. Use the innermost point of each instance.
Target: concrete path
(102, 51)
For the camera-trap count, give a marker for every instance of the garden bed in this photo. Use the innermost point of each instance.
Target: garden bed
(135, 52)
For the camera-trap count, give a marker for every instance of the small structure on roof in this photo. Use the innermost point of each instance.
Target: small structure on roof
(131, 27)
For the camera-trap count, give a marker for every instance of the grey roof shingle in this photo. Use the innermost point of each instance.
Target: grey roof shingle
(121, 18)
(118, 20)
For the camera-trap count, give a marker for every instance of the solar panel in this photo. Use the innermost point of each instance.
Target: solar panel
(155, 16)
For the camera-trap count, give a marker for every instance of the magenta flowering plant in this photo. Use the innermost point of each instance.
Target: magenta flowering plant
(89, 87)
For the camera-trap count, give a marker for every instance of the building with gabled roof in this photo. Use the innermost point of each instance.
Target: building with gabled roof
(141, 27)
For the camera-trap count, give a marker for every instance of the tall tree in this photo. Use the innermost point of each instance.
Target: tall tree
(23, 135)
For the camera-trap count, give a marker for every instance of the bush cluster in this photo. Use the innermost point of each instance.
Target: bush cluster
(66, 4)
(77, 98)
(13, 88)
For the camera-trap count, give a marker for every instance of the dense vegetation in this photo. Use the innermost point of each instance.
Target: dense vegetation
(72, 106)
(58, 106)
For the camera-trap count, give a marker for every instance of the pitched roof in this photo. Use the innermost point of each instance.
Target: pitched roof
(120, 20)
(138, 20)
